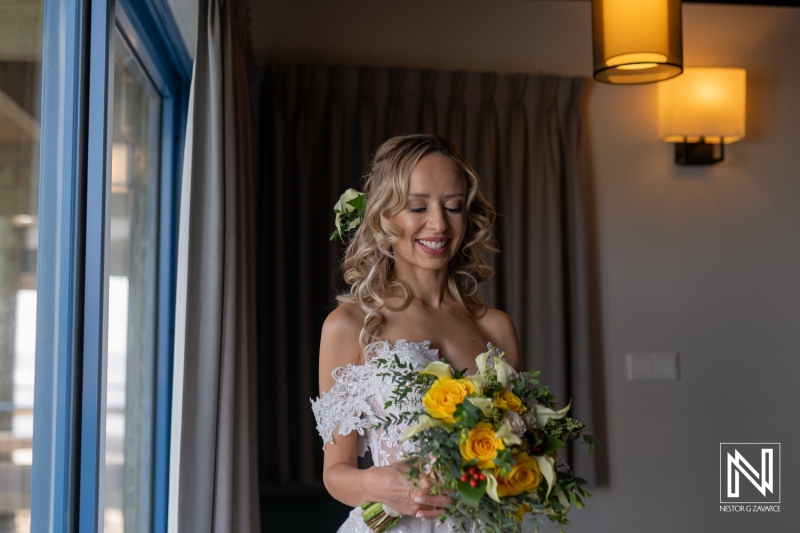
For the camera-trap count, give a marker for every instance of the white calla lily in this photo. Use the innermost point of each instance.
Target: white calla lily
(547, 468)
(504, 371)
(424, 423)
(491, 485)
(508, 436)
(481, 361)
(439, 369)
(484, 404)
(342, 206)
(544, 414)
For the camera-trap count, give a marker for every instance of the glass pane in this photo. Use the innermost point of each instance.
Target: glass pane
(131, 296)
(20, 94)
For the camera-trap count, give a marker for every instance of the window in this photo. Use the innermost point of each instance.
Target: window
(113, 111)
(132, 271)
(20, 97)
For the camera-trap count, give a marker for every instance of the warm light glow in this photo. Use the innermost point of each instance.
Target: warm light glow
(638, 66)
(633, 28)
(636, 41)
(703, 102)
(119, 167)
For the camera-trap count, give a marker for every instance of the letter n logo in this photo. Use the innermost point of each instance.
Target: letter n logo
(750, 472)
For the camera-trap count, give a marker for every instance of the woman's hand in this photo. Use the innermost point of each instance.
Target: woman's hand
(395, 489)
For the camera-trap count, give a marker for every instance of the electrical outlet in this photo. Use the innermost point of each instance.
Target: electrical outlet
(658, 366)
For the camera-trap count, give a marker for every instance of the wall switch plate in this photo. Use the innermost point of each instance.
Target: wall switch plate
(659, 366)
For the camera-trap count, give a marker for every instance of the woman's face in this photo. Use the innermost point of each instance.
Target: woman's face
(433, 223)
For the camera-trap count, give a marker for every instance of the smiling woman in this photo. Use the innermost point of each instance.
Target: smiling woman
(414, 266)
(433, 221)
(316, 127)
(415, 188)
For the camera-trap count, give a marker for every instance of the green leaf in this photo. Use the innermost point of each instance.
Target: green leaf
(359, 202)
(468, 414)
(471, 495)
(550, 444)
(592, 442)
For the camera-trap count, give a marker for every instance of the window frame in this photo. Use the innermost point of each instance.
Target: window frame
(69, 405)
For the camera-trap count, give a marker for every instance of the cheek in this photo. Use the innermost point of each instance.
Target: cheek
(403, 224)
(462, 229)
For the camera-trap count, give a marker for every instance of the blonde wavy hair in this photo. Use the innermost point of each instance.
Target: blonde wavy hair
(368, 260)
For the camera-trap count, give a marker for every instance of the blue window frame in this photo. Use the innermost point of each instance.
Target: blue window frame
(72, 310)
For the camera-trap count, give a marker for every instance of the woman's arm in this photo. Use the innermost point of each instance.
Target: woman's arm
(344, 481)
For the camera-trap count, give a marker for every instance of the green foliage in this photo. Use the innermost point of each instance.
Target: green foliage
(471, 495)
(439, 450)
(349, 220)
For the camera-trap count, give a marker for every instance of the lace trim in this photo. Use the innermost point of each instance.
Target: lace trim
(354, 403)
(346, 405)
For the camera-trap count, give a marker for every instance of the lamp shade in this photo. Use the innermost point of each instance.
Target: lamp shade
(636, 41)
(703, 104)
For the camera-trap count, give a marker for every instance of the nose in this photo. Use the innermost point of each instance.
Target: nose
(437, 220)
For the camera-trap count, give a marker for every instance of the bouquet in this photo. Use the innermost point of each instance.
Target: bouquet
(489, 440)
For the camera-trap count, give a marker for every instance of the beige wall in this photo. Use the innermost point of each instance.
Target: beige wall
(702, 261)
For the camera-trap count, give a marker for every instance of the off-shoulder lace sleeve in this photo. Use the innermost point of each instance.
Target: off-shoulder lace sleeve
(347, 405)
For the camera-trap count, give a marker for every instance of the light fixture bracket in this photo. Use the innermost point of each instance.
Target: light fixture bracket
(699, 153)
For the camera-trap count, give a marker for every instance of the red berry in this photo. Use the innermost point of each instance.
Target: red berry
(464, 478)
(472, 470)
(473, 483)
(482, 477)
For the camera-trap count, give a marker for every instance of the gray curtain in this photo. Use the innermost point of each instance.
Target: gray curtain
(217, 485)
(315, 130)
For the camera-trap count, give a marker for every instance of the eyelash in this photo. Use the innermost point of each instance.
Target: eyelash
(450, 209)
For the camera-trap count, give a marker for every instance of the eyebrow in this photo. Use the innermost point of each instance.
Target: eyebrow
(454, 195)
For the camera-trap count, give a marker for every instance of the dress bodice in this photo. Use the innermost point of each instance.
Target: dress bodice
(356, 400)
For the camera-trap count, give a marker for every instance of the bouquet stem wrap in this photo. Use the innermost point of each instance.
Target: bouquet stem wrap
(379, 517)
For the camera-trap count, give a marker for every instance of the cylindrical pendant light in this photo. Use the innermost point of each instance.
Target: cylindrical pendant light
(636, 41)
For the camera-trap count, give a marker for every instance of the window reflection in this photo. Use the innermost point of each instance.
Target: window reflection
(20, 94)
(132, 289)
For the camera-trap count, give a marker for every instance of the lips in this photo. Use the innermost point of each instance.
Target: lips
(433, 246)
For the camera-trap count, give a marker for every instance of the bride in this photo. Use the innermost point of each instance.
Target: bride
(413, 266)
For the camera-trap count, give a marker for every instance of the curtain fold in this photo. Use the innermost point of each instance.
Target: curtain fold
(214, 475)
(525, 136)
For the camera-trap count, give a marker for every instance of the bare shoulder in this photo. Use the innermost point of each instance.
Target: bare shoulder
(500, 330)
(339, 344)
(498, 325)
(344, 321)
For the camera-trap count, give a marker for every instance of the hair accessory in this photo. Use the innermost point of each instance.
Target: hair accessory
(349, 212)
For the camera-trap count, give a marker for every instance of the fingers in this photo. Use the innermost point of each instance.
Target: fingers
(429, 507)
(433, 514)
(430, 501)
(410, 498)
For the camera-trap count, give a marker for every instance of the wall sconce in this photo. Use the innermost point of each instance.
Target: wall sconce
(636, 41)
(702, 111)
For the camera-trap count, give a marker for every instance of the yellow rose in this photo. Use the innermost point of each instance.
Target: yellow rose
(524, 476)
(482, 444)
(508, 401)
(444, 396)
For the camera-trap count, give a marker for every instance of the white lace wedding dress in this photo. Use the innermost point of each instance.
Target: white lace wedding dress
(355, 403)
